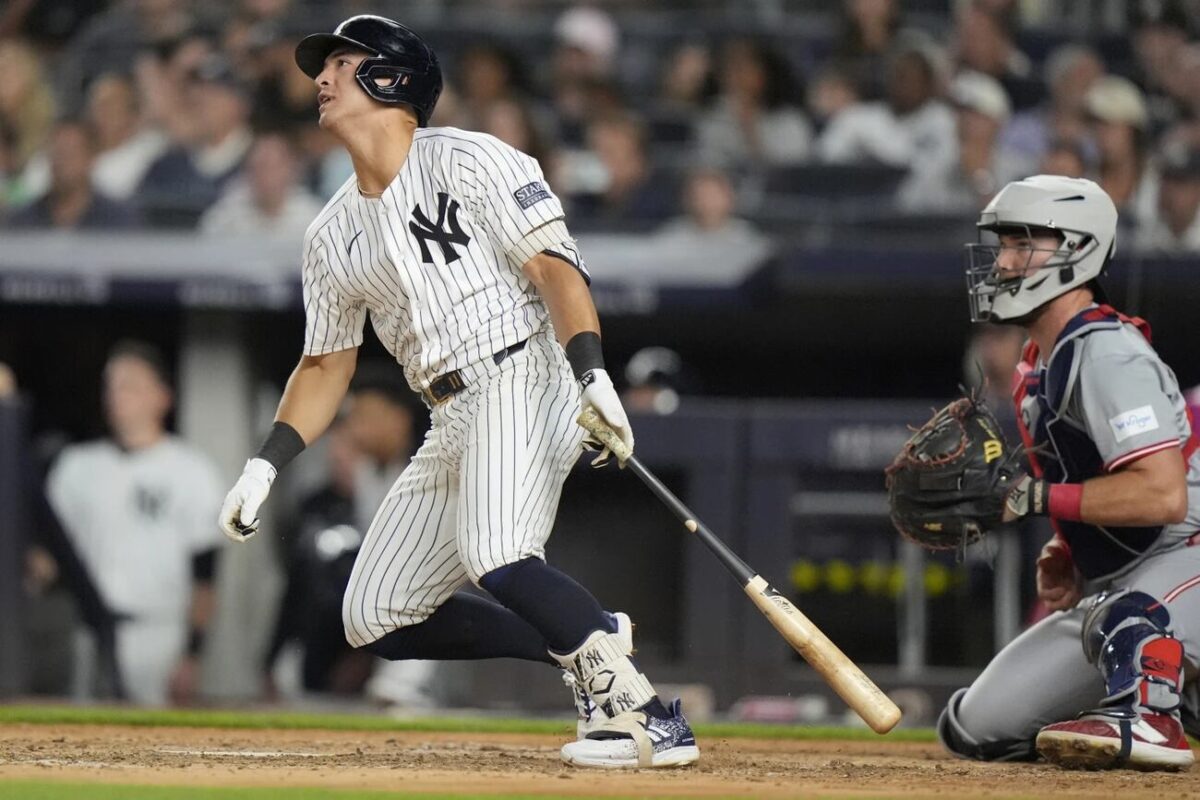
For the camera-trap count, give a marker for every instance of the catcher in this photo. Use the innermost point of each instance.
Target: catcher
(1112, 461)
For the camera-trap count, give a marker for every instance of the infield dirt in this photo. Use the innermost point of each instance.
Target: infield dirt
(528, 764)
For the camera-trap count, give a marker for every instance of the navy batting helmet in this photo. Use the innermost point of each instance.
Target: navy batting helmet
(394, 52)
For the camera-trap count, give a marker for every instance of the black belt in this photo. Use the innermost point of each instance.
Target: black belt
(443, 387)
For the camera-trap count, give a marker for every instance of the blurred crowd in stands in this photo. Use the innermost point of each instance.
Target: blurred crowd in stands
(189, 115)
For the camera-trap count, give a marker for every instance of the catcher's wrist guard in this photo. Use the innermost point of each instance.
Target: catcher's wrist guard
(1029, 497)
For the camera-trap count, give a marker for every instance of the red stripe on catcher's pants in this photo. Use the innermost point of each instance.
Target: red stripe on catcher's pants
(1190, 583)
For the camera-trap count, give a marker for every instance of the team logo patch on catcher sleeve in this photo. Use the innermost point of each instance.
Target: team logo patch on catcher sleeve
(531, 193)
(1131, 423)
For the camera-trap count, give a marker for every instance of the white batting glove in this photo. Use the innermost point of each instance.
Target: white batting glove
(598, 393)
(239, 514)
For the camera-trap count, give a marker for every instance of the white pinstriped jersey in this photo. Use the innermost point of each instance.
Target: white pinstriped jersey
(437, 259)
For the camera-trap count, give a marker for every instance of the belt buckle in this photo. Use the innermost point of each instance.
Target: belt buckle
(443, 388)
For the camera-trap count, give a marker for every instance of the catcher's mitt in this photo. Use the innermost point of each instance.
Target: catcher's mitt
(947, 485)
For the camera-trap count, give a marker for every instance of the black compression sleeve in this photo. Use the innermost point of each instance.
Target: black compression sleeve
(282, 444)
(584, 353)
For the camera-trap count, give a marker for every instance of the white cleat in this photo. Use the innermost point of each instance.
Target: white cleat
(636, 740)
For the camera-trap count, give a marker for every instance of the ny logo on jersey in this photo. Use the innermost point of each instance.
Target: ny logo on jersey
(150, 502)
(426, 231)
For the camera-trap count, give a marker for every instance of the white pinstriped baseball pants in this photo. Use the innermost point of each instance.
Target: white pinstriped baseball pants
(480, 493)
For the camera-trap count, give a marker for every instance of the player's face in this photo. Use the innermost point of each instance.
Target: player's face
(134, 397)
(339, 97)
(1019, 254)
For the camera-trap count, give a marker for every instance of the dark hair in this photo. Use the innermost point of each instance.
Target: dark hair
(781, 85)
(145, 352)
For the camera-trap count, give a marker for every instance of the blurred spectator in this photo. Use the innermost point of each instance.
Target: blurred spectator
(71, 201)
(627, 193)
(115, 39)
(53, 24)
(284, 98)
(187, 179)
(8, 382)
(754, 121)
(1119, 122)
(1069, 72)
(1064, 157)
(710, 227)
(687, 82)
(966, 182)
(867, 31)
(317, 560)
(27, 106)
(511, 122)
(989, 369)
(487, 74)
(13, 189)
(1184, 87)
(140, 508)
(268, 200)
(165, 77)
(653, 378)
(984, 33)
(830, 93)
(1176, 227)
(586, 45)
(1159, 29)
(125, 148)
(913, 127)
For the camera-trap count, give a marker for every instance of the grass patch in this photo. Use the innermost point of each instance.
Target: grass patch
(206, 718)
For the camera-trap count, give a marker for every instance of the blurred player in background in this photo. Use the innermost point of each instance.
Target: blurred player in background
(458, 249)
(1114, 464)
(138, 508)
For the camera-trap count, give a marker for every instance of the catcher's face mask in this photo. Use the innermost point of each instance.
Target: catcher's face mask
(1016, 262)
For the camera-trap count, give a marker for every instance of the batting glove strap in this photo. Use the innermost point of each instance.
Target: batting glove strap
(1029, 497)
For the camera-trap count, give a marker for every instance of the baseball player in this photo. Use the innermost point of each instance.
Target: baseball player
(137, 506)
(1113, 463)
(458, 249)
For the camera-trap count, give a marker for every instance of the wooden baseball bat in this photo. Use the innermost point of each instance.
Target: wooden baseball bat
(850, 683)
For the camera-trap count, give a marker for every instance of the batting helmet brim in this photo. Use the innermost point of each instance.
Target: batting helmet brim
(314, 49)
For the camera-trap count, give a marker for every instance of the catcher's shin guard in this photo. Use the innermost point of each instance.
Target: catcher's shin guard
(1127, 635)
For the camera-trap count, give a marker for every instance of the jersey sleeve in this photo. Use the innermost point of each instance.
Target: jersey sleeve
(510, 199)
(332, 321)
(1124, 401)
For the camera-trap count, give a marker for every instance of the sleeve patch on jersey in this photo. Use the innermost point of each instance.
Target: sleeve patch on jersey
(1131, 423)
(531, 193)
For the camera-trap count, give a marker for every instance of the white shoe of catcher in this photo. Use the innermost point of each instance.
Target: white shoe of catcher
(634, 740)
(590, 715)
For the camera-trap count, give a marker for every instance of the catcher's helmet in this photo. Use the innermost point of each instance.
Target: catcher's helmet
(395, 52)
(1077, 209)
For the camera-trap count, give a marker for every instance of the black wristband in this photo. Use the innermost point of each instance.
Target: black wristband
(584, 353)
(195, 642)
(282, 444)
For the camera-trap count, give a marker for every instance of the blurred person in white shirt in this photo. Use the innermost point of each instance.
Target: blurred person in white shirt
(268, 200)
(125, 148)
(912, 127)
(1175, 229)
(138, 507)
